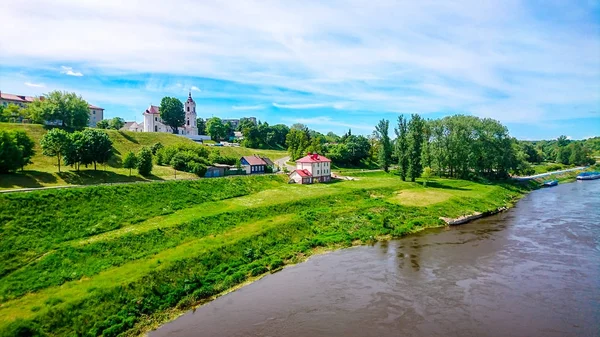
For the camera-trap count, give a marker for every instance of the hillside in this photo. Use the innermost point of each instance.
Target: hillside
(43, 171)
(103, 260)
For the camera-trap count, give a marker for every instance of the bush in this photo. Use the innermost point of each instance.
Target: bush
(155, 147)
(10, 153)
(197, 169)
(145, 161)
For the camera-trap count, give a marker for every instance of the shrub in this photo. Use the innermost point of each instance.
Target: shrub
(197, 169)
(10, 153)
(145, 161)
(130, 161)
(155, 147)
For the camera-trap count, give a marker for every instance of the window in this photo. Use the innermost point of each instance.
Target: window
(188, 109)
(156, 119)
(93, 112)
(188, 122)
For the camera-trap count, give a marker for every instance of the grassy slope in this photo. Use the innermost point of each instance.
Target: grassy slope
(86, 266)
(44, 172)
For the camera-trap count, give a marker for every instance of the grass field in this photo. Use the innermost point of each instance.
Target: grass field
(44, 171)
(106, 260)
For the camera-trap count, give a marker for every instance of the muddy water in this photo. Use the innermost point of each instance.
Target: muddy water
(531, 271)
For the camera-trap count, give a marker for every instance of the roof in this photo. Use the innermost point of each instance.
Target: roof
(127, 125)
(190, 99)
(254, 160)
(30, 99)
(302, 173)
(313, 158)
(153, 109)
(268, 161)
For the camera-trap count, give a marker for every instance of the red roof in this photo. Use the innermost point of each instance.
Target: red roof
(95, 107)
(313, 158)
(254, 160)
(303, 173)
(153, 109)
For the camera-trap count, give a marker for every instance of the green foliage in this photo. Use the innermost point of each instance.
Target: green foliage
(103, 124)
(385, 145)
(201, 125)
(155, 147)
(55, 143)
(297, 141)
(263, 136)
(130, 161)
(426, 175)
(215, 157)
(12, 113)
(171, 112)
(97, 147)
(165, 155)
(349, 151)
(216, 129)
(144, 164)
(10, 153)
(68, 109)
(416, 126)
(402, 146)
(116, 123)
(189, 161)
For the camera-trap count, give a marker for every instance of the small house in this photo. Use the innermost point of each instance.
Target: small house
(254, 164)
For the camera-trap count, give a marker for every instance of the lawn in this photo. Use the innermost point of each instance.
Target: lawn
(44, 171)
(124, 258)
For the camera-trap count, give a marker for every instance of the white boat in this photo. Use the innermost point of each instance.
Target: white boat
(588, 176)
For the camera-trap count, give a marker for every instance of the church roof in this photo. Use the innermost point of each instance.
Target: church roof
(190, 99)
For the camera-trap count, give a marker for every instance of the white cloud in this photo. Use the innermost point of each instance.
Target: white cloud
(494, 58)
(248, 107)
(35, 85)
(194, 88)
(323, 121)
(69, 71)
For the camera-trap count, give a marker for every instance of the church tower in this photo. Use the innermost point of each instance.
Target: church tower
(190, 116)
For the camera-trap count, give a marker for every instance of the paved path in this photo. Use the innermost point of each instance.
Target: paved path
(282, 162)
(541, 175)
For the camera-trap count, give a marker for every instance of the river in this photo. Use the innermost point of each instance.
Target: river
(531, 271)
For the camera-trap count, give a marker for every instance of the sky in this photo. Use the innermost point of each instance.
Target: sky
(332, 65)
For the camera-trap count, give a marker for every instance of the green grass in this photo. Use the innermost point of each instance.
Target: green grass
(44, 170)
(114, 259)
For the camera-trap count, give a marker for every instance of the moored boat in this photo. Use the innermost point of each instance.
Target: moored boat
(550, 183)
(588, 176)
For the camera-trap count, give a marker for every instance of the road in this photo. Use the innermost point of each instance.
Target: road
(282, 162)
(541, 175)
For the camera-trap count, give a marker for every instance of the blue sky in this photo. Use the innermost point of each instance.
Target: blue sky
(333, 65)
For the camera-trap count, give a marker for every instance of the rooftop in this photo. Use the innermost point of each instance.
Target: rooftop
(313, 158)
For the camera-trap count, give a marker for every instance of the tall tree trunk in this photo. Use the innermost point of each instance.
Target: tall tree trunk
(94, 166)
(58, 156)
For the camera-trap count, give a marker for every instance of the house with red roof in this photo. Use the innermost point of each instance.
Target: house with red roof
(254, 164)
(311, 169)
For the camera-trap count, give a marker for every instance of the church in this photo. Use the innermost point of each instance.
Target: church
(153, 122)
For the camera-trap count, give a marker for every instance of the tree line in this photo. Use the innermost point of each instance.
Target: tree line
(87, 147)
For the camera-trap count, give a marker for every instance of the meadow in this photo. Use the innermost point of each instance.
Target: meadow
(44, 171)
(122, 259)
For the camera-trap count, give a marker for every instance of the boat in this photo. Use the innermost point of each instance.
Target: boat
(588, 176)
(550, 183)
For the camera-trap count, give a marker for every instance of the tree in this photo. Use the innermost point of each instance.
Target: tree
(144, 161)
(385, 150)
(75, 154)
(26, 145)
(297, 141)
(10, 113)
(415, 146)
(116, 123)
(426, 175)
(130, 161)
(55, 143)
(67, 109)
(216, 129)
(402, 147)
(10, 153)
(171, 112)
(201, 124)
(97, 147)
(103, 124)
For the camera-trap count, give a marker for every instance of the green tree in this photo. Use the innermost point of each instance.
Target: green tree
(103, 124)
(426, 175)
(10, 153)
(385, 150)
(171, 112)
(415, 146)
(26, 145)
(216, 129)
(201, 124)
(564, 155)
(76, 151)
(130, 162)
(97, 147)
(116, 123)
(55, 143)
(68, 109)
(297, 141)
(10, 113)
(402, 146)
(145, 161)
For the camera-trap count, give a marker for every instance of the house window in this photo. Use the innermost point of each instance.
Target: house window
(188, 122)
(156, 128)
(94, 112)
(188, 109)
(156, 119)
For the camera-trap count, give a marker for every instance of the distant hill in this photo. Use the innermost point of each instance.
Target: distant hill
(43, 171)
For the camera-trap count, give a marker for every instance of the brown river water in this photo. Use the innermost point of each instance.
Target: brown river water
(531, 271)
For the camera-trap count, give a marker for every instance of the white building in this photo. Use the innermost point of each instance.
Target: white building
(312, 168)
(153, 122)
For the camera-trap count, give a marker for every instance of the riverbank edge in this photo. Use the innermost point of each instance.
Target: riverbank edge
(155, 321)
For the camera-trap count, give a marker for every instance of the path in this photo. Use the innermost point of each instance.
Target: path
(283, 162)
(541, 175)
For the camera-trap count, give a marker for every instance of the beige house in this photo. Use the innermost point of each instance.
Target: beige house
(311, 169)
(96, 113)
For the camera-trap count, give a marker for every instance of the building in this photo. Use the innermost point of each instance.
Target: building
(153, 122)
(133, 127)
(312, 168)
(236, 122)
(96, 113)
(254, 164)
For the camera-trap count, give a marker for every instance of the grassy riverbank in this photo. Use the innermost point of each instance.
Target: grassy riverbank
(113, 259)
